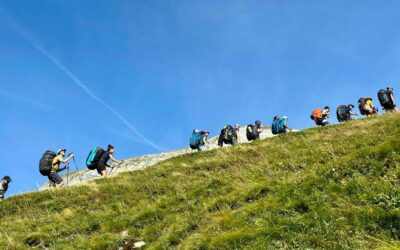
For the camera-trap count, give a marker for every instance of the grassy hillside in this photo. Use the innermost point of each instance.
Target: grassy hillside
(332, 188)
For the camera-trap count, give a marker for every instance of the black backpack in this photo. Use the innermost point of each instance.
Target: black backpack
(343, 113)
(45, 163)
(251, 132)
(94, 157)
(384, 98)
(228, 133)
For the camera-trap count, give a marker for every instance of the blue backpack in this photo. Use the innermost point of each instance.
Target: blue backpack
(94, 157)
(195, 140)
(277, 126)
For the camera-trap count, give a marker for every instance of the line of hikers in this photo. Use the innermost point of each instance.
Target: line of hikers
(229, 134)
(98, 158)
(365, 105)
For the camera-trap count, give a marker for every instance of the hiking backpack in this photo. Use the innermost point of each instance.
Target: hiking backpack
(342, 113)
(251, 132)
(317, 114)
(384, 98)
(276, 124)
(94, 157)
(45, 163)
(195, 140)
(361, 103)
(228, 133)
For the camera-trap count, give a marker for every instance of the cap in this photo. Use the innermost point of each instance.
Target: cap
(257, 122)
(285, 117)
(196, 130)
(326, 107)
(7, 178)
(61, 149)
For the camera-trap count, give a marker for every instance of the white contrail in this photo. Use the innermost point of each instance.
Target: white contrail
(20, 30)
(15, 96)
(93, 95)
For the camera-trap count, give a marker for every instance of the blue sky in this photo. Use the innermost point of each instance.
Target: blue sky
(167, 67)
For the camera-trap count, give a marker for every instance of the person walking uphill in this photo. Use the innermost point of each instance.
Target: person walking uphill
(320, 117)
(198, 140)
(386, 99)
(4, 186)
(366, 106)
(253, 131)
(54, 177)
(280, 126)
(344, 112)
(103, 161)
(228, 135)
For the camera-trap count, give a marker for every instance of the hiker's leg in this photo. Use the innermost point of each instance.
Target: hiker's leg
(60, 185)
(220, 140)
(56, 179)
(104, 173)
(102, 169)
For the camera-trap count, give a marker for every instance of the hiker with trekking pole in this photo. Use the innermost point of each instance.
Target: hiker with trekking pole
(49, 165)
(98, 159)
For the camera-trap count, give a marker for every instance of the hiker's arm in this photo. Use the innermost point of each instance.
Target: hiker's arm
(205, 141)
(114, 160)
(62, 169)
(67, 159)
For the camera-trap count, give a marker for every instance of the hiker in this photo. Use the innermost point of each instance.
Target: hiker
(103, 161)
(280, 126)
(54, 178)
(321, 117)
(203, 142)
(387, 101)
(344, 112)
(366, 106)
(4, 186)
(253, 131)
(198, 140)
(228, 135)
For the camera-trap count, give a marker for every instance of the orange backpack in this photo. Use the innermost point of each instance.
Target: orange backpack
(317, 114)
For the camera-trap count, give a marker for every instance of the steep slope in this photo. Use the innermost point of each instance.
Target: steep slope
(333, 188)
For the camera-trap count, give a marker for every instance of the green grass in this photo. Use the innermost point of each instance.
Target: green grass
(323, 188)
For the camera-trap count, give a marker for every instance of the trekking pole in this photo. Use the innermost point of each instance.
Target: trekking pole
(67, 166)
(77, 170)
(115, 167)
